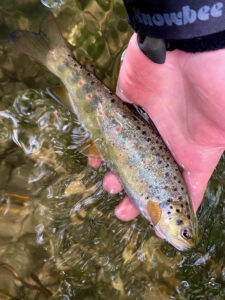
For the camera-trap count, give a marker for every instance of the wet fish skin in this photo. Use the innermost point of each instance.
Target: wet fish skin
(131, 148)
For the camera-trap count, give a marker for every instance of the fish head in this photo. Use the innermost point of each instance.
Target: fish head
(175, 225)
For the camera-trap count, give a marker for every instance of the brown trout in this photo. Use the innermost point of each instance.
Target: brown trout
(131, 148)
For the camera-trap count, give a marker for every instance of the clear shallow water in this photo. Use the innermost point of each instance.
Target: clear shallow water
(59, 237)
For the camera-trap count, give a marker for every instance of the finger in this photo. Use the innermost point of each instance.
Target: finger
(94, 162)
(126, 210)
(196, 183)
(112, 184)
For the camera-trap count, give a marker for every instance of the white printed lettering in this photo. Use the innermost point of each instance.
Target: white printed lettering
(189, 15)
(158, 20)
(203, 13)
(216, 10)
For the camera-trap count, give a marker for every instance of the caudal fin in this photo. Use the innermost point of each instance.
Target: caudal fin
(38, 45)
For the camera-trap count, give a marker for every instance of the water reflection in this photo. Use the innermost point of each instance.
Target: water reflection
(58, 232)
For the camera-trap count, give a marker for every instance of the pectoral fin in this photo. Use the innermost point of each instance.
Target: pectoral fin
(154, 212)
(91, 151)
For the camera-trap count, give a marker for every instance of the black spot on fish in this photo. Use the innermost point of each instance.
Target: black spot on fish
(112, 100)
(157, 141)
(175, 189)
(169, 213)
(188, 216)
(186, 203)
(88, 74)
(110, 93)
(175, 177)
(148, 140)
(167, 174)
(124, 116)
(182, 205)
(146, 198)
(182, 188)
(177, 210)
(159, 162)
(92, 82)
(171, 206)
(167, 166)
(160, 147)
(153, 148)
(169, 200)
(167, 158)
(179, 222)
(138, 128)
(143, 132)
(179, 181)
(180, 198)
(75, 65)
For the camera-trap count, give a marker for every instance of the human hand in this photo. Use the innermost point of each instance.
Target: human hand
(185, 99)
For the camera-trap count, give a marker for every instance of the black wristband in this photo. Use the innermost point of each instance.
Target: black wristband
(176, 19)
(209, 42)
(155, 49)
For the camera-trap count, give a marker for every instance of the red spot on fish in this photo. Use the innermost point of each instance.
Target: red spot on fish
(130, 167)
(140, 147)
(100, 112)
(129, 143)
(113, 144)
(80, 83)
(120, 154)
(134, 156)
(144, 161)
(141, 181)
(150, 186)
(117, 129)
(99, 126)
(63, 61)
(99, 91)
(101, 100)
(89, 96)
(72, 73)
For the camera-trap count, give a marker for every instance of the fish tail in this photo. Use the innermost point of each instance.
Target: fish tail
(40, 45)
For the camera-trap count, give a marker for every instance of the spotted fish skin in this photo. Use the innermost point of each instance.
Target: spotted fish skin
(131, 148)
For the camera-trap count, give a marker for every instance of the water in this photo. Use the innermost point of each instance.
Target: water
(59, 237)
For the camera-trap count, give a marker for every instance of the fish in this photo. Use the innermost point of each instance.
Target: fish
(130, 147)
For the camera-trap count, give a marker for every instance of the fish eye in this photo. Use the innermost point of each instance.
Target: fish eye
(186, 234)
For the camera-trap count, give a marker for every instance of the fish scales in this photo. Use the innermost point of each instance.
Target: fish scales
(131, 148)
